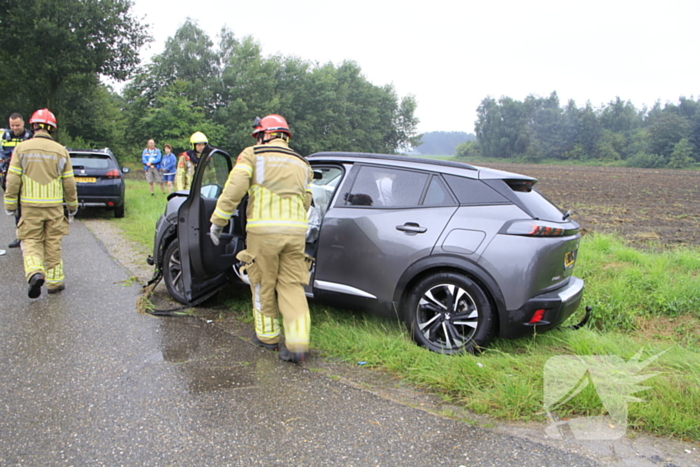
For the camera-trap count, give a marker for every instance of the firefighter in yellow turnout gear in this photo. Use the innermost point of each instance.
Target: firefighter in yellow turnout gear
(40, 177)
(277, 180)
(188, 160)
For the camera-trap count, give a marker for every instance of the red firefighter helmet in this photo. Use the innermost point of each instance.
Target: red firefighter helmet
(272, 123)
(44, 118)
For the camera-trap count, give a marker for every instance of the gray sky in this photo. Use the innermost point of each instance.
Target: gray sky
(452, 54)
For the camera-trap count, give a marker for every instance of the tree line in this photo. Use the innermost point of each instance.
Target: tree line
(539, 129)
(55, 53)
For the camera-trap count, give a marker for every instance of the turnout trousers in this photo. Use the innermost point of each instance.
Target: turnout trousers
(278, 271)
(41, 230)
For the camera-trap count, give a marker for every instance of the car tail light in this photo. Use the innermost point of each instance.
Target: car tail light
(537, 228)
(114, 173)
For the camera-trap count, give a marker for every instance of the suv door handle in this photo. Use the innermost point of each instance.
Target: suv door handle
(411, 227)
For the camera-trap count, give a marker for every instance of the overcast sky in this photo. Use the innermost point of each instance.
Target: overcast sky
(452, 54)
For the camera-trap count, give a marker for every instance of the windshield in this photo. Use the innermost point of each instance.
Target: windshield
(92, 161)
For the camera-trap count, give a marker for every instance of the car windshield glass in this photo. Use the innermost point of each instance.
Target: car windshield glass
(89, 161)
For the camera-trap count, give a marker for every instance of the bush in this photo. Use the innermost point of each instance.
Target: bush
(468, 150)
(647, 161)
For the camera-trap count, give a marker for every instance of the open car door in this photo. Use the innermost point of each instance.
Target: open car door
(205, 266)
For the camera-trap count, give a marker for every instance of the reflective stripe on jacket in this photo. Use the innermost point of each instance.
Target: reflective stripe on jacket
(10, 141)
(40, 175)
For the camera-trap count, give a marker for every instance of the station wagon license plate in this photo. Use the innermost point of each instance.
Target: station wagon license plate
(86, 179)
(570, 259)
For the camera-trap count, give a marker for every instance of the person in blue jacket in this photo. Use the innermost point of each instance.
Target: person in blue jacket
(168, 166)
(151, 159)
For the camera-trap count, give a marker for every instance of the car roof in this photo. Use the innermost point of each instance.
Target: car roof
(104, 151)
(481, 172)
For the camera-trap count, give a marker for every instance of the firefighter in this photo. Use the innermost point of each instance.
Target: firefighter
(188, 160)
(40, 177)
(10, 139)
(277, 181)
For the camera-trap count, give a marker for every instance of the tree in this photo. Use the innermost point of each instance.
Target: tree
(546, 125)
(501, 128)
(442, 142)
(327, 107)
(64, 39)
(468, 150)
(620, 117)
(174, 117)
(681, 156)
(667, 130)
(694, 137)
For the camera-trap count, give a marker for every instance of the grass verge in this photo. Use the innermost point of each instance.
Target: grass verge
(642, 300)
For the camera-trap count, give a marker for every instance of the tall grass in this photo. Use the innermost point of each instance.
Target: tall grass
(625, 285)
(641, 300)
(141, 213)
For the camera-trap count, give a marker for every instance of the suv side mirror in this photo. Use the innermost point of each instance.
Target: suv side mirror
(125, 170)
(318, 175)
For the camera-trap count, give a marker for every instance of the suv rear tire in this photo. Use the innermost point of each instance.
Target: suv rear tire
(119, 211)
(449, 313)
(172, 272)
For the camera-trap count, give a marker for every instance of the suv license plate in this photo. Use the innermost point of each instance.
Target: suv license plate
(86, 179)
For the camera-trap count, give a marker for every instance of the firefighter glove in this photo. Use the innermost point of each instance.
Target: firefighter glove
(215, 232)
(10, 213)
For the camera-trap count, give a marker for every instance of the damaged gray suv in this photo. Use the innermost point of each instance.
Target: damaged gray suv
(461, 253)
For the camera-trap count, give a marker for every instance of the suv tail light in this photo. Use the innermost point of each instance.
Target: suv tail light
(114, 173)
(537, 228)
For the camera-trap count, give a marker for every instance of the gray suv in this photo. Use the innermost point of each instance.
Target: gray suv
(460, 253)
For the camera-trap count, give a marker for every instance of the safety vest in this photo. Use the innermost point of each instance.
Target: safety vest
(10, 141)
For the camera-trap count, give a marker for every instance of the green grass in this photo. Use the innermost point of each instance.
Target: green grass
(142, 212)
(641, 300)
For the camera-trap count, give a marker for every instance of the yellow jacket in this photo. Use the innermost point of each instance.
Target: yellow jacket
(40, 175)
(277, 180)
(184, 173)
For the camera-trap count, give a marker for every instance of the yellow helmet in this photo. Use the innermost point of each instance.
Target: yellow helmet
(198, 137)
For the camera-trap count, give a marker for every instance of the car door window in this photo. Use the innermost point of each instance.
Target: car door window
(386, 187)
(437, 194)
(214, 176)
(322, 189)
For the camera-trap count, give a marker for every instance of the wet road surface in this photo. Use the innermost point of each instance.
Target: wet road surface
(86, 380)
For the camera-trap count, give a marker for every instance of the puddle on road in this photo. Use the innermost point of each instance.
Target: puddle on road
(207, 359)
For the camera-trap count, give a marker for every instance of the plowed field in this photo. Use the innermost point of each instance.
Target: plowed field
(648, 207)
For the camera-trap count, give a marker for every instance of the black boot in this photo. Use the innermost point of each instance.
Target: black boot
(259, 343)
(35, 283)
(294, 357)
(57, 289)
(14, 244)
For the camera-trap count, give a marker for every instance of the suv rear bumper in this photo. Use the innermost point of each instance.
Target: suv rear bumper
(557, 305)
(92, 201)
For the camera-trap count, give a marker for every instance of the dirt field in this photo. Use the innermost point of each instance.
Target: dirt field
(648, 207)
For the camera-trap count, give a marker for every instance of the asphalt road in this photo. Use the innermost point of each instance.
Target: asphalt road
(87, 380)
